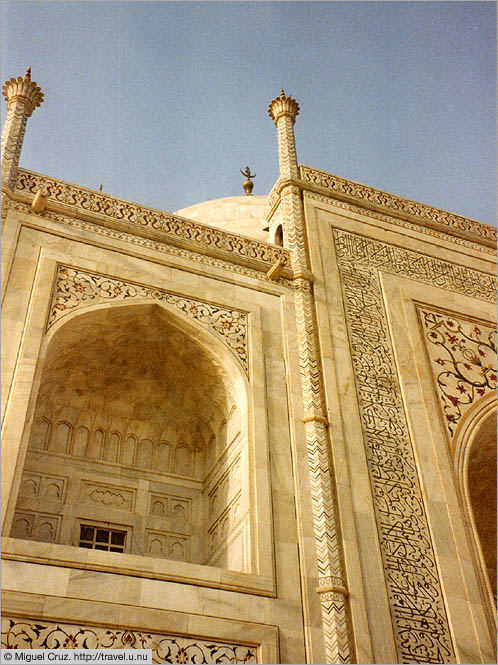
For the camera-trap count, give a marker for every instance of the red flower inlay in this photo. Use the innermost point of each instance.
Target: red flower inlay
(182, 656)
(128, 638)
(70, 642)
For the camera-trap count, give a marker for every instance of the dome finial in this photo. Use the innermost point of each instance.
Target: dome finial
(247, 184)
(28, 74)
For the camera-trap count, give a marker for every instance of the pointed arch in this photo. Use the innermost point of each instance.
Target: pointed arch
(89, 359)
(61, 440)
(40, 434)
(475, 472)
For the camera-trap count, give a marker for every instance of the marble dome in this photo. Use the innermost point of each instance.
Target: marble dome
(239, 214)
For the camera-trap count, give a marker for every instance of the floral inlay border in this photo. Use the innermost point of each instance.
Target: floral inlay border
(17, 634)
(75, 288)
(463, 356)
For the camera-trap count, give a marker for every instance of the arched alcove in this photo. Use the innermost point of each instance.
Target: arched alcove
(476, 469)
(279, 236)
(481, 480)
(139, 416)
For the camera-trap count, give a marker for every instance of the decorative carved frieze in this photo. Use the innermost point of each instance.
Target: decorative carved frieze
(273, 197)
(421, 629)
(462, 358)
(222, 491)
(41, 634)
(400, 222)
(225, 524)
(109, 496)
(77, 288)
(398, 204)
(142, 218)
(140, 241)
(169, 506)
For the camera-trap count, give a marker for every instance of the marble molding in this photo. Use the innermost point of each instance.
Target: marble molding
(397, 204)
(143, 220)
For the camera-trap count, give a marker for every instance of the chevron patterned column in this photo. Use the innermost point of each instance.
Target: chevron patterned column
(23, 96)
(331, 585)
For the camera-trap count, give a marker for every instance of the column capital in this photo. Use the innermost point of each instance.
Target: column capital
(24, 90)
(283, 106)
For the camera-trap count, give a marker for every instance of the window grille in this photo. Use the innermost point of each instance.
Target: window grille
(98, 538)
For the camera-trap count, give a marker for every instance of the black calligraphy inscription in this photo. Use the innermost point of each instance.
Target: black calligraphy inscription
(418, 614)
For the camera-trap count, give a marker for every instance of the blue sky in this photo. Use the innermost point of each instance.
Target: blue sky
(163, 102)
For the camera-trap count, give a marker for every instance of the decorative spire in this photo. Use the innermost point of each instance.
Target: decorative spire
(247, 184)
(283, 105)
(23, 96)
(24, 90)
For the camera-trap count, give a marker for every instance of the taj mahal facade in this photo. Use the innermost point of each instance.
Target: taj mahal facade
(255, 430)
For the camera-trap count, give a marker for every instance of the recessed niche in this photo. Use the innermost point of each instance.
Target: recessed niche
(151, 414)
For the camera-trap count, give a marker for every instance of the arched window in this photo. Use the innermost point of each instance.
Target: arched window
(279, 236)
